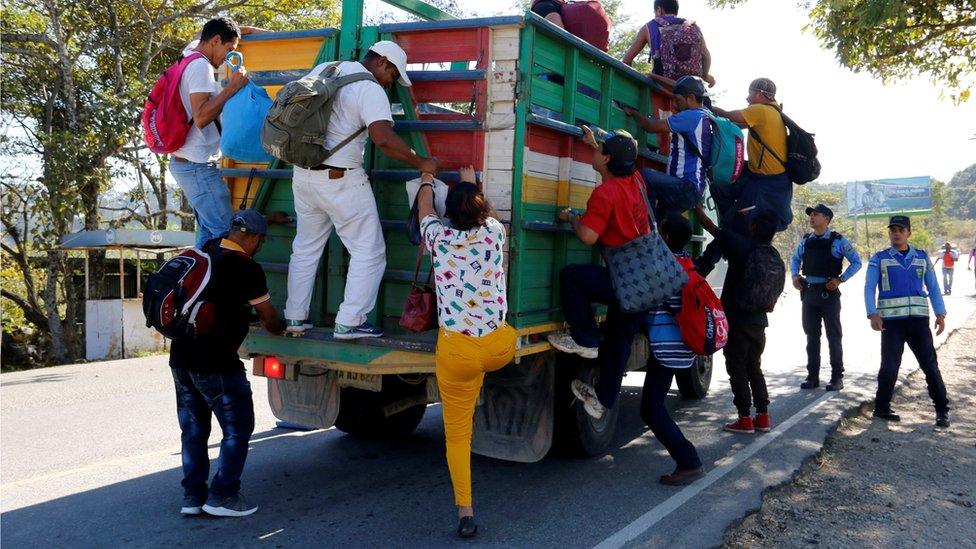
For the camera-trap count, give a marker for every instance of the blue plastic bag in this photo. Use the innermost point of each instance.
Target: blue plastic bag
(242, 118)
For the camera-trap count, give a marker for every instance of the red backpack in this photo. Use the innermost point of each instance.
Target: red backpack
(587, 20)
(165, 121)
(701, 319)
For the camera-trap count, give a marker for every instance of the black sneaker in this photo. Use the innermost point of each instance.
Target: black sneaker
(233, 506)
(886, 415)
(942, 419)
(835, 384)
(192, 505)
(810, 383)
(467, 527)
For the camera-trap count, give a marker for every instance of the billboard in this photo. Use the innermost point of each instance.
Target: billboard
(885, 196)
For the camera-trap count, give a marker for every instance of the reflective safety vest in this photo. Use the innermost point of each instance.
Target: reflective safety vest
(902, 292)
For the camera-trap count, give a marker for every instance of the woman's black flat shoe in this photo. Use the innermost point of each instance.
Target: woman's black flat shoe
(467, 528)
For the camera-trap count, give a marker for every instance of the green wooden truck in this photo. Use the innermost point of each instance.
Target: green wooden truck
(505, 94)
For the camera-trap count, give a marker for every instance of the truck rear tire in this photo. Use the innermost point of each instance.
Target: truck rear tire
(364, 413)
(576, 433)
(693, 383)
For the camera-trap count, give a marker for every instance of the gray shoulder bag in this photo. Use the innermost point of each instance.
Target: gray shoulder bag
(644, 272)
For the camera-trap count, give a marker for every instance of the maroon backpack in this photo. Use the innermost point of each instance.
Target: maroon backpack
(681, 49)
(587, 20)
(165, 121)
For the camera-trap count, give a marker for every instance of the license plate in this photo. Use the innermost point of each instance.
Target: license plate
(366, 382)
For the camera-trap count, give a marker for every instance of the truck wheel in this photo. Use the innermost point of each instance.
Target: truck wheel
(395, 411)
(693, 383)
(576, 433)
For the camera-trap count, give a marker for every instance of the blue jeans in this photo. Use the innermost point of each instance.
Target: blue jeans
(669, 194)
(765, 192)
(657, 382)
(209, 196)
(582, 286)
(227, 396)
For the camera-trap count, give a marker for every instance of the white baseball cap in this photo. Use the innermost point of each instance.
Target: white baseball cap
(394, 54)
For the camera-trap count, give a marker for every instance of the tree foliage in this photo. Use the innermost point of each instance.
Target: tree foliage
(961, 191)
(75, 75)
(897, 39)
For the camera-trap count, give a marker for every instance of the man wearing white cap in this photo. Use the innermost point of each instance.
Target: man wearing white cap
(337, 194)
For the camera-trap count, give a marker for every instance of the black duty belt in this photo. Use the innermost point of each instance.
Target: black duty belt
(322, 167)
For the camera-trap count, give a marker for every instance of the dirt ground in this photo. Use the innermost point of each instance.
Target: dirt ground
(876, 484)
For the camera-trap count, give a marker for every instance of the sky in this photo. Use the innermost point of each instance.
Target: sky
(865, 129)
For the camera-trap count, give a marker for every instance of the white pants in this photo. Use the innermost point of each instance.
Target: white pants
(348, 205)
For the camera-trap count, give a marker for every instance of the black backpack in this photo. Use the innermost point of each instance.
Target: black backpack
(801, 161)
(174, 299)
(763, 280)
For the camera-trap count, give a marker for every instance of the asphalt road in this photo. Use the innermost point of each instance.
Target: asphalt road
(90, 458)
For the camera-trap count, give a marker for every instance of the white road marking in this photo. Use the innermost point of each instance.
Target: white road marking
(666, 507)
(269, 534)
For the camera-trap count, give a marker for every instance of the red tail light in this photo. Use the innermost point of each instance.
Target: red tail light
(273, 368)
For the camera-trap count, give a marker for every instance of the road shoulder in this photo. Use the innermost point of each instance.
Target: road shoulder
(879, 484)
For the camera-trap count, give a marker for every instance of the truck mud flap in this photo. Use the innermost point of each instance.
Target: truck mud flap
(312, 401)
(513, 420)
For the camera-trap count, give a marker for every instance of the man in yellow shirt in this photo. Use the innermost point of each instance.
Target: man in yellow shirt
(764, 184)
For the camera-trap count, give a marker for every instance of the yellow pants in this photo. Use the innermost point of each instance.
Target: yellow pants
(461, 365)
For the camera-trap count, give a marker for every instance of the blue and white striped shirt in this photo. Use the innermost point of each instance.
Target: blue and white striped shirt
(695, 126)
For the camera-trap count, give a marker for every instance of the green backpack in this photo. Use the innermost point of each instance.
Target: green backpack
(727, 157)
(294, 130)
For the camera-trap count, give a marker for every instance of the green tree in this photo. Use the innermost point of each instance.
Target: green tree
(75, 75)
(961, 194)
(896, 39)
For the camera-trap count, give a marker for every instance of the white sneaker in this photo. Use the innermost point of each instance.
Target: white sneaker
(565, 343)
(587, 396)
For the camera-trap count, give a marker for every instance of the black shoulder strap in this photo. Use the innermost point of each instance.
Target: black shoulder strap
(765, 147)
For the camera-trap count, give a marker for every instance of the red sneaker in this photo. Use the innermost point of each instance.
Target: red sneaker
(743, 425)
(763, 423)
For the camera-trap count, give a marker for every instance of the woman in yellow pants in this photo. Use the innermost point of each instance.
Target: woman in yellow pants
(471, 302)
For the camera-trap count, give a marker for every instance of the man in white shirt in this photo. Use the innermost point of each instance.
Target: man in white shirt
(337, 194)
(194, 165)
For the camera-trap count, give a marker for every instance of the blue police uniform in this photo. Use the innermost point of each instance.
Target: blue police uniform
(899, 287)
(820, 258)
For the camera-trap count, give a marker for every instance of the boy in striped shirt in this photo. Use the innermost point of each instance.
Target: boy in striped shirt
(669, 354)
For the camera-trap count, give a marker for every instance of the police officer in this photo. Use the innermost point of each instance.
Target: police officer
(907, 283)
(820, 257)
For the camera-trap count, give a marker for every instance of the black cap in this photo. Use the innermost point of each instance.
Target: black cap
(621, 146)
(900, 221)
(822, 209)
(690, 85)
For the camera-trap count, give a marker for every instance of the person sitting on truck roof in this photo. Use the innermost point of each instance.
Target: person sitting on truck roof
(682, 187)
(665, 16)
(338, 195)
(474, 338)
(668, 355)
(616, 213)
(764, 184)
(209, 376)
(585, 19)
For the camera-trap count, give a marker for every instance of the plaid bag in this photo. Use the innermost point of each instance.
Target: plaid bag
(644, 271)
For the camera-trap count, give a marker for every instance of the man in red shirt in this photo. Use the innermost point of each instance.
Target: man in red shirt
(948, 268)
(616, 213)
